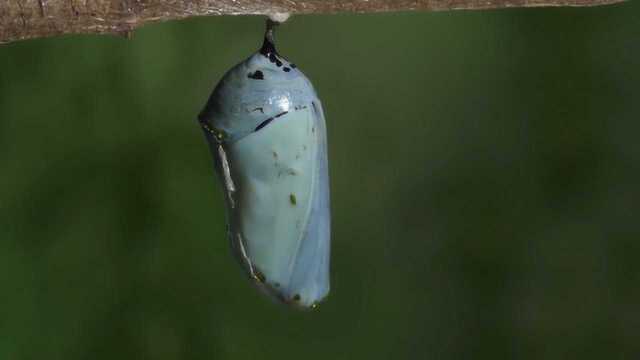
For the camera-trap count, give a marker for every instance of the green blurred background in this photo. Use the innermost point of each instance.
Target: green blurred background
(484, 172)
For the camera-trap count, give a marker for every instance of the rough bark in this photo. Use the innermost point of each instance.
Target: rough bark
(24, 19)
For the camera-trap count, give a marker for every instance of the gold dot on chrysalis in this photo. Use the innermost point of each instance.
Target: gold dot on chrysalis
(260, 276)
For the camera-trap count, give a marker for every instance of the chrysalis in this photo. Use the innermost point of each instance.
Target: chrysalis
(266, 130)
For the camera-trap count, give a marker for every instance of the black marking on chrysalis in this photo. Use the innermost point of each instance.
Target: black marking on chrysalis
(257, 75)
(293, 66)
(274, 59)
(282, 113)
(263, 124)
(286, 69)
(266, 122)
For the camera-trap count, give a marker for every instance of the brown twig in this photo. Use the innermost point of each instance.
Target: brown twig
(24, 19)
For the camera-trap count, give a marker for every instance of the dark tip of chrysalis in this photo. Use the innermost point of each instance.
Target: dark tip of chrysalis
(268, 45)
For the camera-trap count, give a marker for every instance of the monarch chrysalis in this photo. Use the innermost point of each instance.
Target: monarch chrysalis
(266, 130)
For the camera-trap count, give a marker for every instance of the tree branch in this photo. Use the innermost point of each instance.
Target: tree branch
(24, 19)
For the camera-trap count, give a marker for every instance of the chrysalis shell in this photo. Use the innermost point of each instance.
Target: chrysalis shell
(266, 130)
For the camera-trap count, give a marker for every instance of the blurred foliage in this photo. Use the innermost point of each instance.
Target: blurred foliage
(485, 169)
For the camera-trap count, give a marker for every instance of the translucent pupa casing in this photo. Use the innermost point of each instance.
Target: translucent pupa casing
(266, 130)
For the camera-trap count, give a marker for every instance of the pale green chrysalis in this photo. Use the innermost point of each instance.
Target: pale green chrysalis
(266, 129)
